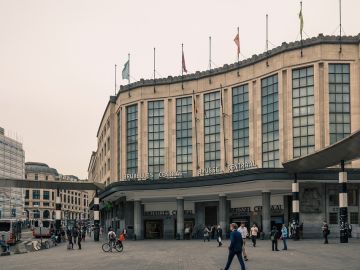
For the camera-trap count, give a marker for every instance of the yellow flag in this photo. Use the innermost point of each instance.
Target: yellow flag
(301, 21)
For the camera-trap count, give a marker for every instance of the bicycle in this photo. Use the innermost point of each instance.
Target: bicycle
(118, 246)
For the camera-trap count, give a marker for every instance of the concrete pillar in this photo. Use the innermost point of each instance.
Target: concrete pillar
(222, 212)
(180, 217)
(96, 218)
(58, 211)
(137, 220)
(343, 205)
(266, 215)
(295, 208)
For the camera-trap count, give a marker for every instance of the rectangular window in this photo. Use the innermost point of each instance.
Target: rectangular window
(46, 195)
(184, 135)
(27, 194)
(156, 151)
(46, 204)
(240, 123)
(36, 194)
(119, 145)
(333, 218)
(270, 122)
(353, 197)
(354, 218)
(36, 177)
(339, 101)
(131, 139)
(212, 129)
(303, 111)
(333, 197)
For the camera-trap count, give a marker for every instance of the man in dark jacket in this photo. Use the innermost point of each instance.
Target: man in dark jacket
(235, 247)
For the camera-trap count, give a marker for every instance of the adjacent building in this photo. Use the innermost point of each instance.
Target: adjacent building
(40, 203)
(207, 148)
(12, 165)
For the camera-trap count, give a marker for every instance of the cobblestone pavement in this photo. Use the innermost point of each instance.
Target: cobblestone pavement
(190, 255)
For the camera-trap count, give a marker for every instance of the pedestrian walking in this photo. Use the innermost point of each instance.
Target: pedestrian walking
(350, 231)
(284, 236)
(274, 237)
(325, 231)
(187, 232)
(219, 235)
(69, 237)
(254, 232)
(235, 247)
(206, 234)
(244, 233)
(301, 228)
(74, 234)
(80, 235)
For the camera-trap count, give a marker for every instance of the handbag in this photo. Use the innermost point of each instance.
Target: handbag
(272, 237)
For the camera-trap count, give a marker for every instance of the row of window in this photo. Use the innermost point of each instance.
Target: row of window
(303, 116)
(353, 218)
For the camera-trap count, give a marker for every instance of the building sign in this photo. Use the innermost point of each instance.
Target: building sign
(234, 167)
(147, 176)
(165, 213)
(247, 210)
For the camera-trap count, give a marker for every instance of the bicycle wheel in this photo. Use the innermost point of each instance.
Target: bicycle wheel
(119, 247)
(105, 247)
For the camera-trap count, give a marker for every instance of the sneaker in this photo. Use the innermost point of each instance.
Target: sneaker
(245, 258)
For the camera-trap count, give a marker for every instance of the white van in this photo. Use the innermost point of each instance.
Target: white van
(10, 230)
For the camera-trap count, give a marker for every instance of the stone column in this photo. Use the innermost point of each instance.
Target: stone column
(343, 205)
(137, 220)
(222, 212)
(58, 211)
(96, 218)
(180, 217)
(266, 215)
(295, 207)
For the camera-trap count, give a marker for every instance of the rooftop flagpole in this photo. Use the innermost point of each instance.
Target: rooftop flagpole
(182, 66)
(154, 71)
(210, 58)
(340, 51)
(301, 27)
(267, 40)
(115, 79)
(129, 67)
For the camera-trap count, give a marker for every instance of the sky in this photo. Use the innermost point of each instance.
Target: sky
(57, 57)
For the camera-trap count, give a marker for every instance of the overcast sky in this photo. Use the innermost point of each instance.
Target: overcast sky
(57, 57)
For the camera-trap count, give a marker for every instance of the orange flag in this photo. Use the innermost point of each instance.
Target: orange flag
(237, 42)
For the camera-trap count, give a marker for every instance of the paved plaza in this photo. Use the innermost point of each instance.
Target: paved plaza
(190, 255)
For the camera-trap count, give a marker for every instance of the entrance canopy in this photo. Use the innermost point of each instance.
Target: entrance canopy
(347, 149)
(41, 184)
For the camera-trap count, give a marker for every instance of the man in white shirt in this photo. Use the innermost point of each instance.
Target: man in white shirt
(111, 238)
(244, 233)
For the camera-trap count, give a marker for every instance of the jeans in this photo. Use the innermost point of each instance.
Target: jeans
(274, 245)
(231, 257)
(253, 239)
(284, 242)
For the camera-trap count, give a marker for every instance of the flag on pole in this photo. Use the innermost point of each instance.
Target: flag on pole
(237, 42)
(301, 20)
(183, 63)
(125, 71)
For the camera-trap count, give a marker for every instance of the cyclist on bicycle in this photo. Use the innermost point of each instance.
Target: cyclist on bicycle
(111, 238)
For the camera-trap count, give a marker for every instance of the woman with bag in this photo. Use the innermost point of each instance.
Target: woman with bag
(284, 236)
(274, 238)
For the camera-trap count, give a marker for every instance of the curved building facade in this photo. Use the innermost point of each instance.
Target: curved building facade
(225, 123)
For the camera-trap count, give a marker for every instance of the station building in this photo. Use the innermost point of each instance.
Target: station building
(207, 148)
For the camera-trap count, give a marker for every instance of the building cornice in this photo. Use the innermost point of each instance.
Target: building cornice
(256, 58)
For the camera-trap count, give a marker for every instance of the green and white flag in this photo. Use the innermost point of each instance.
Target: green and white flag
(126, 71)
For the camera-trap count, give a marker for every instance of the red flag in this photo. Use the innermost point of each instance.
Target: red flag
(237, 42)
(183, 63)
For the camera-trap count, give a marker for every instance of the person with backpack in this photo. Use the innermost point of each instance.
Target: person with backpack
(325, 231)
(274, 237)
(111, 238)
